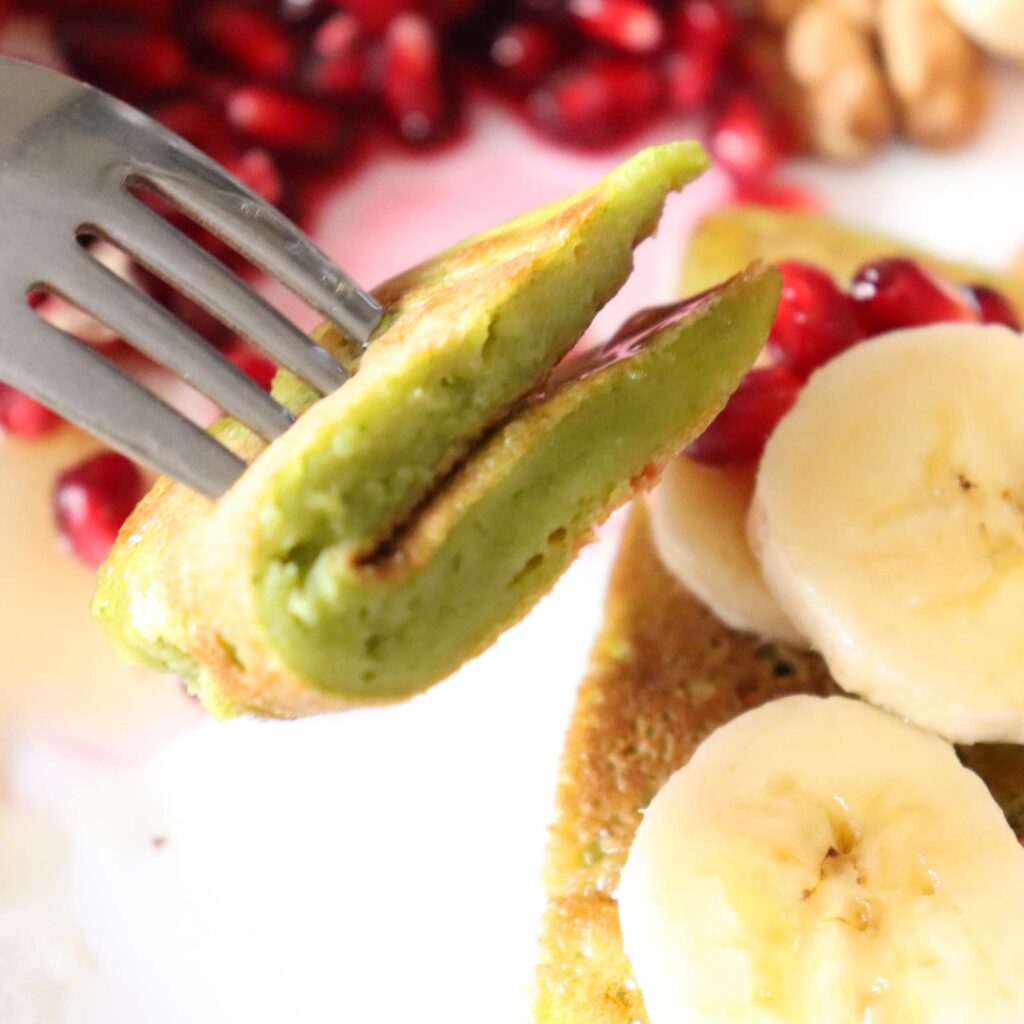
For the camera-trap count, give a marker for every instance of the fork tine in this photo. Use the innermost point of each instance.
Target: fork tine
(66, 375)
(153, 329)
(172, 256)
(271, 241)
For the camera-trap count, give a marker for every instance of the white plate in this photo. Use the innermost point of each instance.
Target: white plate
(378, 866)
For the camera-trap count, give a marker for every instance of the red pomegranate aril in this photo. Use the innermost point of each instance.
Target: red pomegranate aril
(22, 416)
(691, 74)
(199, 123)
(251, 39)
(335, 35)
(413, 91)
(124, 58)
(781, 194)
(815, 319)
(253, 363)
(376, 15)
(338, 63)
(340, 76)
(596, 102)
(737, 436)
(205, 324)
(523, 52)
(898, 292)
(256, 168)
(704, 24)
(634, 26)
(284, 121)
(994, 306)
(92, 500)
(742, 140)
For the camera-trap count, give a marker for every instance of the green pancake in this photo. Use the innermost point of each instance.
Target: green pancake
(409, 517)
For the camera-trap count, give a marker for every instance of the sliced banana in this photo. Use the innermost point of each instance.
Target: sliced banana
(819, 861)
(888, 518)
(698, 523)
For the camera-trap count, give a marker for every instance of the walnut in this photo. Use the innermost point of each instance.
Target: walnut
(938, 75)
(778, 13)
(858, 70)
(862, 13)
(852, 112)
(997, 25)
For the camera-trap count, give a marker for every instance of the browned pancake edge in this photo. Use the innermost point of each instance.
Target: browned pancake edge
(663, 674)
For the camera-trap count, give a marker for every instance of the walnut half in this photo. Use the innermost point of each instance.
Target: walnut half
(865, 69)
(937, 73)
(852, 111)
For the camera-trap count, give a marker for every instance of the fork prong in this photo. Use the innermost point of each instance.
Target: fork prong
(66, 375)
(175, 258)
(154, 330)
(271, 241)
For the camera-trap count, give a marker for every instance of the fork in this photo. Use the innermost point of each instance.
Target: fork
(70, 156)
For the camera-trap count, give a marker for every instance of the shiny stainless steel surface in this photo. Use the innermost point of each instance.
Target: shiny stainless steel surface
(68, 156)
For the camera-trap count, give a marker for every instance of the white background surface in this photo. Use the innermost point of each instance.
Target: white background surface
(379, 866)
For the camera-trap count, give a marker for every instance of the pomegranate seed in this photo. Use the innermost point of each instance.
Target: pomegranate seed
(376, 15)
(205, 324)
(412, 79)
(995, 307)
(781, 194)
(815, 320)
(898, 292)
(284, 121)
(93, 499)
(123, 58)
(701, 31)
(24, 417)
(523, 52)
(336, 35)
(256, 168)
(691, 74)
(251, 39)
(738, 434)
(253, 363)
(199, 123)
(704, 24)
(596, 102)
(339, 66)
(631, 25)
(742, 140)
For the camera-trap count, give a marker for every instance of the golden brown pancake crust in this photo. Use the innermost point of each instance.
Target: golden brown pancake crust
(664, 674)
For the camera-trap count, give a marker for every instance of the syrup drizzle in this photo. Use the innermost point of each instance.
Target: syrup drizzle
(630, 339)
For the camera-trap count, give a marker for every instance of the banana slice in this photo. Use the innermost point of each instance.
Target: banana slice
(699, 527)
(888, 518)
(821, 862)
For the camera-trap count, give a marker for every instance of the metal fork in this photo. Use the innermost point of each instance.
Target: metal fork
(69, 155)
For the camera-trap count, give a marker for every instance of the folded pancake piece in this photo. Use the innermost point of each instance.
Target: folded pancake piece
(408, 517)
(665, 673)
